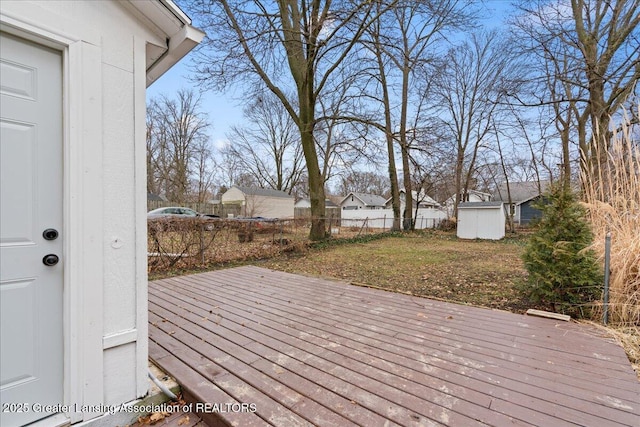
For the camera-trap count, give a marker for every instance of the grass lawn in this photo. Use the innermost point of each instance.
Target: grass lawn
(434, 264)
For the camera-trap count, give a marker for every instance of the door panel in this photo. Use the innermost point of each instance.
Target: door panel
(18, 199)
(31, 339)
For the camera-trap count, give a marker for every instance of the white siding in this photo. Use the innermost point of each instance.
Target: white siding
(303, 203)
(104, 45)
(352, 203)
(233, 195)
(271, 207)
(481, 223)
(257, 205)
(383, 218)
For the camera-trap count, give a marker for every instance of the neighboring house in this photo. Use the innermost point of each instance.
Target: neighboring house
(303, 208)
(355, 201)
(469, 196)
(426, 202)
(523, 196)
(261, 202)
(73, 238)
(481, 220)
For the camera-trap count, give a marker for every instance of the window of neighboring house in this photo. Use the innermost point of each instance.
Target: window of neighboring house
(513, 209)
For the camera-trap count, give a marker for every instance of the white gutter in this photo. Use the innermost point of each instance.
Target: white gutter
(175, 26)
(178, 46)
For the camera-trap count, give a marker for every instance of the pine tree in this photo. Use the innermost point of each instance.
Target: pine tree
(563, 273)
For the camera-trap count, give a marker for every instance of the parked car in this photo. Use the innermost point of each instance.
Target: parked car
(180, 212)
(172, 211)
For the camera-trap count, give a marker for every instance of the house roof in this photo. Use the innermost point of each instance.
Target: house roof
(266, 192)
(424, 199)
(470, 205)
(470, 191)
(367, 199)
(520, 191)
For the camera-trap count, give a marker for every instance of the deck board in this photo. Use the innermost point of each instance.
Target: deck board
(309, 351)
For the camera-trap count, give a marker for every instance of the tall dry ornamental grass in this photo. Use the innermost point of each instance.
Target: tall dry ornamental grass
(613, 204)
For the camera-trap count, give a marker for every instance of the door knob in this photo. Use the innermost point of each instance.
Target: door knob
(50, 260)
(50, 234)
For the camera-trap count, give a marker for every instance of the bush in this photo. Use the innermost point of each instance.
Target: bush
(563, 272)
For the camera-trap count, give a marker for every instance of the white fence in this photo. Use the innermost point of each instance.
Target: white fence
(383, 218)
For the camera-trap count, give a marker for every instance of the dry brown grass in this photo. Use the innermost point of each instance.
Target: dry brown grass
(613, 203)
(429, 264)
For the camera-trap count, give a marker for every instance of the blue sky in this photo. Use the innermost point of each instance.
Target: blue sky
(225, 111)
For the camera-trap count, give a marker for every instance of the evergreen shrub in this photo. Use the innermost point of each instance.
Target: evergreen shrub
(563, 272)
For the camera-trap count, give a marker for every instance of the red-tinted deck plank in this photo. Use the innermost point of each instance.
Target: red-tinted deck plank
(394, 358)
(574, 415)
(293, 347)
(513, 360)
(511, 351)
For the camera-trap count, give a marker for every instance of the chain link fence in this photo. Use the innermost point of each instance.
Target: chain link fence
(175, 242)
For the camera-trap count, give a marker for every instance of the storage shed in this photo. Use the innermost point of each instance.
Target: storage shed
(73, 234)
(481, 220)
(263, 202)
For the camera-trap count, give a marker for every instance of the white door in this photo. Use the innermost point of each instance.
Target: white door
(31, 341)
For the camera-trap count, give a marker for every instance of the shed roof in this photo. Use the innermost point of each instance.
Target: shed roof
(266, 192)
(482, 205)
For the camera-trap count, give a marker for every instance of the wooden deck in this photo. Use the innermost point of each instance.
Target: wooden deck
(270, 348)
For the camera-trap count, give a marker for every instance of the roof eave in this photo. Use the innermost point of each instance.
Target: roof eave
(173, 25)
(180, 45)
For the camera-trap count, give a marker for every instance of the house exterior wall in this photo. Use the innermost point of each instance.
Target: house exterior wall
(233, 196)
(352, 203)
(257, 205)
(270, 207)
(303, 204)
(472, 196)
(528, 213)
(105, 284)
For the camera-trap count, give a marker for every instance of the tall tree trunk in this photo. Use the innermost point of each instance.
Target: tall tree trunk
(316, 183)
(404, 146)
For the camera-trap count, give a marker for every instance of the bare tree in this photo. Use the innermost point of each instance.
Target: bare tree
(402, 43)
(364, 182)
(283, 45)
(177, 145)
(340, 143)
(600, 42)
(471, 86)
(268, 145)
(205, 171)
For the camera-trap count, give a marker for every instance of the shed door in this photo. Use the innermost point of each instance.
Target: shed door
(31, 341)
